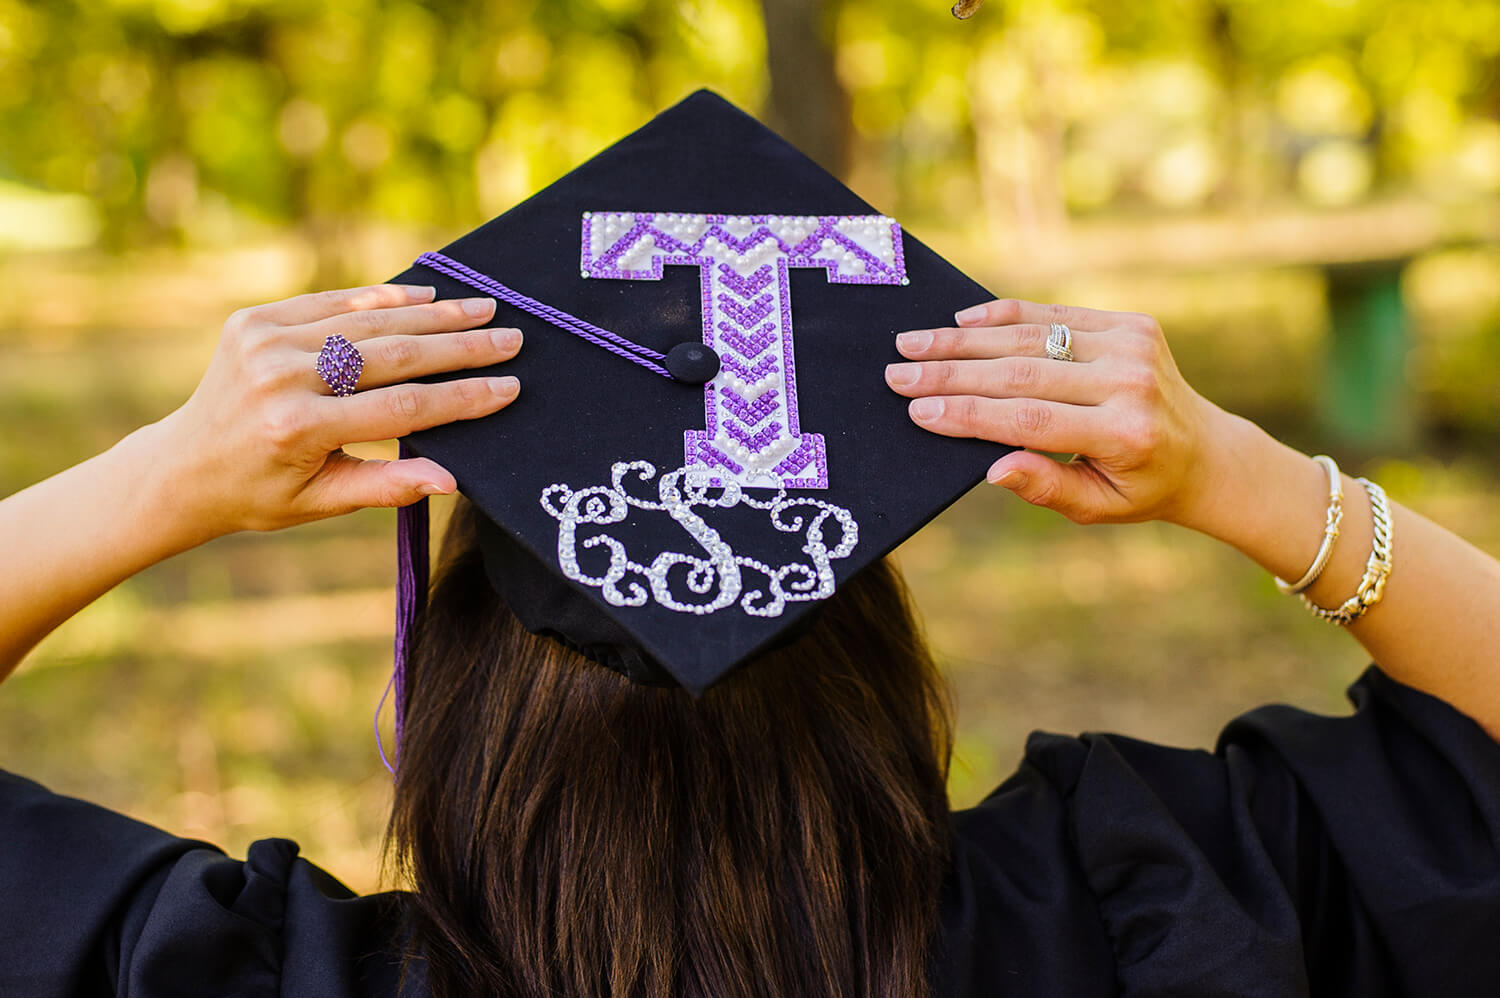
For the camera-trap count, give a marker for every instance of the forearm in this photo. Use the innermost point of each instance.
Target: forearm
(1437, 627)
(72, 538)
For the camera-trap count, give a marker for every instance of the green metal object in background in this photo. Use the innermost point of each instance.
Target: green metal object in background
(1367, 404)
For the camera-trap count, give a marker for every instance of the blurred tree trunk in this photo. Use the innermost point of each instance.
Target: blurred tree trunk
(808, 104)
(1246, 131)
(1019, 145)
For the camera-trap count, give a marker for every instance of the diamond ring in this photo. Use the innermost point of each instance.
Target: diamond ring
(1060, 342)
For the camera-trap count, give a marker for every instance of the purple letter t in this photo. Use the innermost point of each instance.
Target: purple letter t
(751, 433)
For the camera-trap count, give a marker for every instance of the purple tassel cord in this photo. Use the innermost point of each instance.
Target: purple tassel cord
(411, 521)
(411, 601)
(613, 342)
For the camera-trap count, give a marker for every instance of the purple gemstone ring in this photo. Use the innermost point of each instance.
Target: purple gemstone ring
(340, 364)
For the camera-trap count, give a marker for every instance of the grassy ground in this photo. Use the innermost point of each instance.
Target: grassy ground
(228, 694)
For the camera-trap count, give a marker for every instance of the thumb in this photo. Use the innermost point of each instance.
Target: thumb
(352, 484)
(1069, 489)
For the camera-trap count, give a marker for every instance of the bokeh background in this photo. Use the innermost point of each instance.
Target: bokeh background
(1305, 192)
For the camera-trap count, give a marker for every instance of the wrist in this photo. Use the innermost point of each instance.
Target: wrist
(1258, 495)
(163, 489)
(1212, 500)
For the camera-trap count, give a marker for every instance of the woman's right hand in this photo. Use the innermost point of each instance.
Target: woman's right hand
(1143, 437)
(258, 445)
(1150, 447)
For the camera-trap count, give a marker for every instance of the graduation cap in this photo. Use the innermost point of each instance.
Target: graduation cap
(704, 447)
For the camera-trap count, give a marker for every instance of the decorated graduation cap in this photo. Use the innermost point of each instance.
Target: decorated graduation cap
(704, 447)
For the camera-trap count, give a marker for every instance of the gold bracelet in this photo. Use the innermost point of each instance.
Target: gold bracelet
(1333, 516)
(1377, 568)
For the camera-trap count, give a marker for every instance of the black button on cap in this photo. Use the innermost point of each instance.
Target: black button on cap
(692, 363)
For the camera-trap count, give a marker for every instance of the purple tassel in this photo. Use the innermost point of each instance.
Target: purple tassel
(411, 600)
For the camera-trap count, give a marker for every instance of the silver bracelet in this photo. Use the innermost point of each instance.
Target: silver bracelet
(1377, 568)
(1333, 517)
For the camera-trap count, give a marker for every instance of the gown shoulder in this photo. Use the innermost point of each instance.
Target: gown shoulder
(95, 903)
(1305, 855)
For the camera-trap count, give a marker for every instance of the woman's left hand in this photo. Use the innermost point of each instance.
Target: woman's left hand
(1139, 430)
(258, 446)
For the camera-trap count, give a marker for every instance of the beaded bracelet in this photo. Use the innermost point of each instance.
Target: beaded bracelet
(1333, 516)
(1377, 568)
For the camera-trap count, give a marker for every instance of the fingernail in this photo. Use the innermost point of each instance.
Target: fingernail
(505, 387)
(479, 306)
(432, 489)
(506, 339)
(420, 292)
(971, 314)
(1012, 480)
(902, 375)
(926, 409)
(914, 342)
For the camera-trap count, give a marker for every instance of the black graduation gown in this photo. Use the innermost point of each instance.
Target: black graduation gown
(1306, 855)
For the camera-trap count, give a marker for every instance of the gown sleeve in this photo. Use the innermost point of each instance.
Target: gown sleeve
(95, 903)
(1307, 855)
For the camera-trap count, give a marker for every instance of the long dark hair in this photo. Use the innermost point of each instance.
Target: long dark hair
(568, 833)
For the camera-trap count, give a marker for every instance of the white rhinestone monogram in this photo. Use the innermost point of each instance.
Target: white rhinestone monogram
(718, 578)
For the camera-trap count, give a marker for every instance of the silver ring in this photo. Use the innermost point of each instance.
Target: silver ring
(1060, 342)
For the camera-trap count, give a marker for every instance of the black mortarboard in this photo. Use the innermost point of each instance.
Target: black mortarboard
(668, 527)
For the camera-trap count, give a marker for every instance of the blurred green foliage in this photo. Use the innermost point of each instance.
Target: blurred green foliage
(191, 119)
(188, 118)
